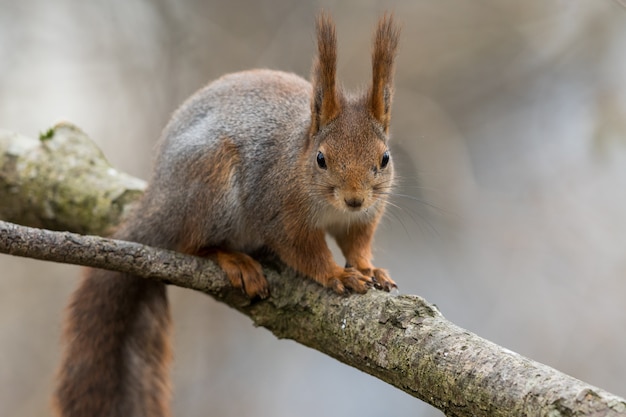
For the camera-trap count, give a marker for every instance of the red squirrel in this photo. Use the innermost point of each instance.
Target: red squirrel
(255, 160)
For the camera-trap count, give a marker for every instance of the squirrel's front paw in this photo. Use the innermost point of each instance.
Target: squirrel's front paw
(382, 281)
(350, 279)
(380, 278)
(243, 272)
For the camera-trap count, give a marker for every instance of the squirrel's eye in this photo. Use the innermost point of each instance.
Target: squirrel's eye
(321, 161)
(385, 160)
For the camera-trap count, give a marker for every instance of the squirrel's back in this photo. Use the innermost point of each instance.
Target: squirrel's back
(250, 107)
(239, 131)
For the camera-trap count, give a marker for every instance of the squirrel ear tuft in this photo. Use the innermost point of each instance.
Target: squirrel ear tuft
(325, 104)
(383, 56)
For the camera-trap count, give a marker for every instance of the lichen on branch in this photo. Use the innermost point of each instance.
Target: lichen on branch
(62, 181)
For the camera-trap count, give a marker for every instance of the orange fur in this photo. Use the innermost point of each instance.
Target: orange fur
(355, 244)
(318, 263)
(243, 272)
(216, 173)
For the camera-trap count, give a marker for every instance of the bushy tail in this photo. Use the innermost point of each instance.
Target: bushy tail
(117, 351)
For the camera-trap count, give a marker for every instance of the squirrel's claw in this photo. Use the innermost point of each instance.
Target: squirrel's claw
(351, 280)
(382, 281)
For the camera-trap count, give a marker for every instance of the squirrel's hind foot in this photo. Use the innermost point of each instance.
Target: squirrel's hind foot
(243, 272)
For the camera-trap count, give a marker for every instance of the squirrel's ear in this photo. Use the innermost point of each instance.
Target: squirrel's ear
(325, 104)
(383, 56)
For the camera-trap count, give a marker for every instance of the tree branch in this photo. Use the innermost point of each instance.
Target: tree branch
(402, 340)
(62, 182)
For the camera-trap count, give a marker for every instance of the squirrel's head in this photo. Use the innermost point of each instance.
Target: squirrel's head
(348, 138)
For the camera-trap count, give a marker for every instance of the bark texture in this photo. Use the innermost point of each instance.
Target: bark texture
(62, 182)
(400, 339)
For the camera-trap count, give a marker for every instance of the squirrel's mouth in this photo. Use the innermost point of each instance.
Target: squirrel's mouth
(354, 203)
(351, 202)
(340, 213)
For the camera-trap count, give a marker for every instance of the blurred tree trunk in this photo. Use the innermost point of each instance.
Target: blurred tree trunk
(63, 182)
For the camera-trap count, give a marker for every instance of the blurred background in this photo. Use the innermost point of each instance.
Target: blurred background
(509, 132)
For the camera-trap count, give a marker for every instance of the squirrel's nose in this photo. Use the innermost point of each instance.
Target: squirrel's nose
(353, 203)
